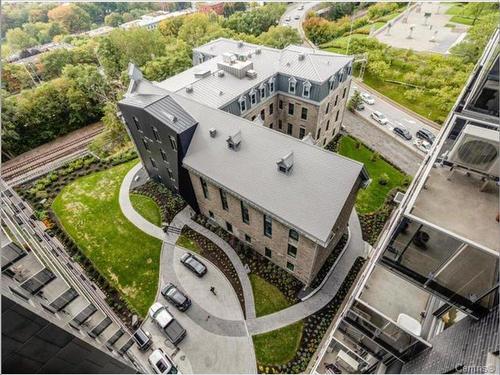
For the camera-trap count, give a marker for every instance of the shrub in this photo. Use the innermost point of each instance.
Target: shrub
(383, 179)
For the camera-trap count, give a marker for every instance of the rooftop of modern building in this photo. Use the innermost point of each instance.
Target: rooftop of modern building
(204, 83)
(309, 197)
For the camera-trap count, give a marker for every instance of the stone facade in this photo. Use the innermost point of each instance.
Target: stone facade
(309, 257)
(322, 125)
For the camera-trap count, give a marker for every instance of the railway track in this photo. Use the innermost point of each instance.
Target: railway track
(75, 146)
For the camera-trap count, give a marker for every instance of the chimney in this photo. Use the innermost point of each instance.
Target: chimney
(189, 89)
(302, 56)
(234, 141)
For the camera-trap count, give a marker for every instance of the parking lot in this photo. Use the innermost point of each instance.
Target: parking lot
(217, 340)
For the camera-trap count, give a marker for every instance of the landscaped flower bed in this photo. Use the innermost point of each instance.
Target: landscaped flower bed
(42, 192)
(217, 256)
(258, 264)
(315, 327)
(372, 223)
(329, 262)
(170, 204)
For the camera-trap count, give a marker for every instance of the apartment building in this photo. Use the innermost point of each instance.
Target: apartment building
(296, 91)
(428, 299)
(286, 198)
(49, 324)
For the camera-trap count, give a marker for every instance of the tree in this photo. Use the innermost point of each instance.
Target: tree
(280, 37)
(52, 63)
(355, 101)
(231, 8)
(18, 39)
(15, 78)
(177, 58)
(113, 19)
(255, 21)
(199, 27)
(71, 16)
(170, 27)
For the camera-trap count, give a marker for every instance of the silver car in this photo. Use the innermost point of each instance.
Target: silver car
(161, 364)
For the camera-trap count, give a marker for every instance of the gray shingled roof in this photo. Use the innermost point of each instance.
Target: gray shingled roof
(215, 91)
(168, 111)
(309, 199)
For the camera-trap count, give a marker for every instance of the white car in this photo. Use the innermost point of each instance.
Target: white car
(422, 145)
(367, 98)
(287, 19)
(301, 7)
(161, 364)
(379, 117)
(297, 17)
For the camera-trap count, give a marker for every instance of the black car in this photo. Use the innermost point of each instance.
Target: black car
(426, 135)
(18, 220)
(191, 262)
(173, 295)
(142, 339)
(402, 132)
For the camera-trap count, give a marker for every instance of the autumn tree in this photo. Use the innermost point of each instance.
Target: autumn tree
(71, 16)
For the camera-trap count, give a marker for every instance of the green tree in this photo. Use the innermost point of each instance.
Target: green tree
(113, 19)
(52, 63)
(255, 21)
(355, 101)
(280, 37)
(18, 39)
(71, 16)
(15, 78)
(177, 58)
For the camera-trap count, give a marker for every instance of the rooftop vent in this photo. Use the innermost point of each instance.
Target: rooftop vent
(170, 116)
(220, 73)
(229, 57)
(202, 73)
(189, 89)
(213, 132)
(251, 74)
(221, 92)
(285, 164)
(302, 56)
(234, 141)
(288, 63)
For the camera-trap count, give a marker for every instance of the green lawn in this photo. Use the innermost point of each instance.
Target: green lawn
(371, 198)
(278, 347)
(267, 297)
(89, 212)
(188, 243)
(463, 14)
(147, 208)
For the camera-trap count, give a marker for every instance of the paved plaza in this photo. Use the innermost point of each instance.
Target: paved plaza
(429, 34)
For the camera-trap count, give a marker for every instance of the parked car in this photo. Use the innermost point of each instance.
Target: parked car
(160, 363)
(379, 117)
(426, 135)
(142, 339)
(360, 107)
(191, 262)
(162, 317)
(402, 132)
(422, 145)
(18, 220)
(173, 295)
(287, 19)
(301, 7)
(297, 17)
(367, 98)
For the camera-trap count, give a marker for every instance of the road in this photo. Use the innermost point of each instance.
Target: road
(395, 115)
(294, 17)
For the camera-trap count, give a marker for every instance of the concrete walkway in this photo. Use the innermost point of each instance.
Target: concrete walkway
(233, 327)
(128, 210)
(302, 310)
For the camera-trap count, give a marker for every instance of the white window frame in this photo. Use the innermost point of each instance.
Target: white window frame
(292, 82)
(243, 104)
(306, 89)
(271, 86)
(253, 97)
(262, 91)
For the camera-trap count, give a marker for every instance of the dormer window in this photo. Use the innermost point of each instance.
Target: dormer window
(234, 141)
(271, 86)
(332, 82)
(292, 83)
(253, 97)
(285, 164)
(306, 89)
(243, 104)
(262, 91)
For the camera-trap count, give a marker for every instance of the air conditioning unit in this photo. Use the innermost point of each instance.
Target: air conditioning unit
(477, 148)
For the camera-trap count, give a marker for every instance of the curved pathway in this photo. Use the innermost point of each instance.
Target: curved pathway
(252, 325)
